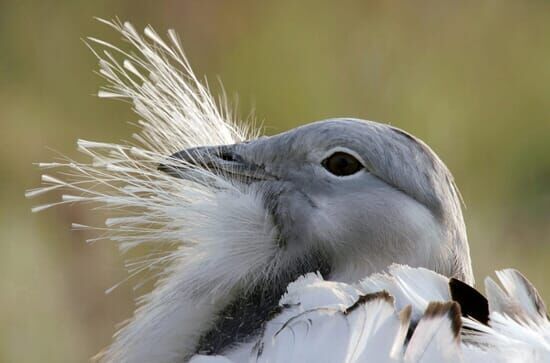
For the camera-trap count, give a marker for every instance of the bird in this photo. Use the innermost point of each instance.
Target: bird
(325, 224)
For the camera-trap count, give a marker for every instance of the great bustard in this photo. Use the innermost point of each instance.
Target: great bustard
(248, 215)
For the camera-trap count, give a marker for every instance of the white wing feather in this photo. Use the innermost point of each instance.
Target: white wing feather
(409, 286)
(436, 338)
(519, 329)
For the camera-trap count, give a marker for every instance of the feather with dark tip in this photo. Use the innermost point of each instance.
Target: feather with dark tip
(472, 303)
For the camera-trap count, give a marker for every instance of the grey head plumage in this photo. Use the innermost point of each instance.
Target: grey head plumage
(397, 204)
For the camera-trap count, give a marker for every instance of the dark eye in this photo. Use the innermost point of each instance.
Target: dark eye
(342, 164)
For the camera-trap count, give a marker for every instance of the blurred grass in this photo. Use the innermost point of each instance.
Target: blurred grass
(472, 79)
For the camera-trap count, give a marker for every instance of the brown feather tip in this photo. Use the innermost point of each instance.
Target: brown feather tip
(451, 309)
(363, 299)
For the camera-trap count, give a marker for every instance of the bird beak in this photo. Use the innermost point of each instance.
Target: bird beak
(220, 160)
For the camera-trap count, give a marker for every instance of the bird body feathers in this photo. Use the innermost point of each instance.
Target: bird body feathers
(324, 321)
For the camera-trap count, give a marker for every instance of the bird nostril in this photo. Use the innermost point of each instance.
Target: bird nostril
(227, 156)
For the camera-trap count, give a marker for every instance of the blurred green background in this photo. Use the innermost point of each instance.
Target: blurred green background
(472, 79)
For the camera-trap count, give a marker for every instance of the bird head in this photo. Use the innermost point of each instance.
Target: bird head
(362, 195)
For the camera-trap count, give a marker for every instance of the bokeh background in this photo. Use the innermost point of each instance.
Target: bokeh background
(470, 78)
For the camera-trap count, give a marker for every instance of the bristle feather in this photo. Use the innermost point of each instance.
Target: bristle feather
(148, 206)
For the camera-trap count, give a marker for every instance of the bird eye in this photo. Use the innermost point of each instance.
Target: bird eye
(342, 164)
